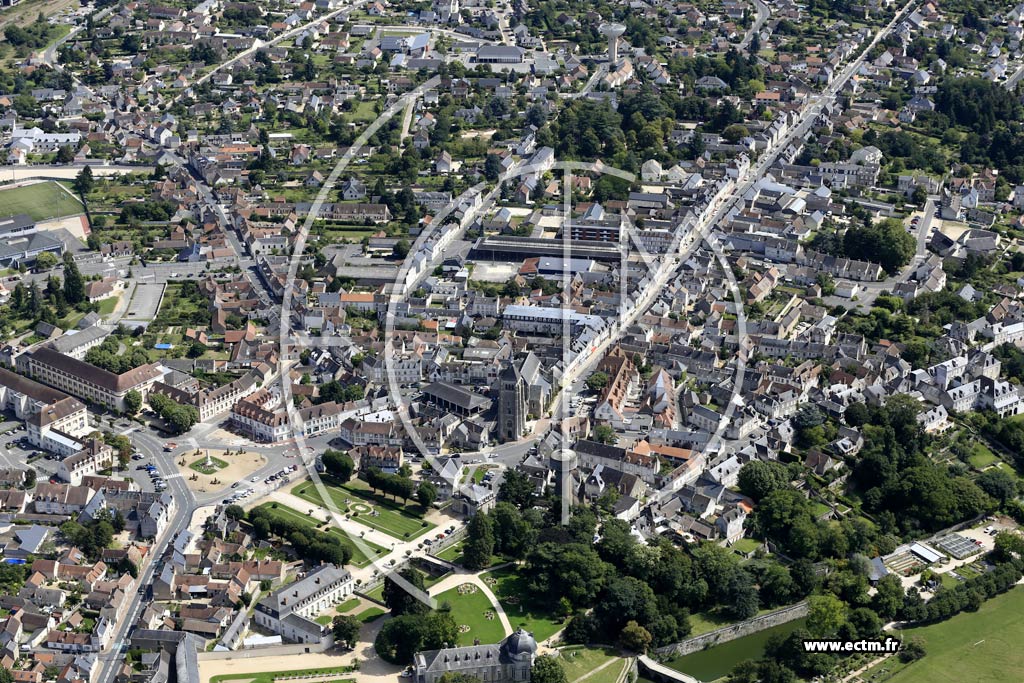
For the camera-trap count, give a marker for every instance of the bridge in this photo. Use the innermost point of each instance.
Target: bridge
(660, 672)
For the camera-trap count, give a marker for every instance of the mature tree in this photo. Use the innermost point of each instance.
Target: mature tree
(46, 260)
(479, 546)
(597, 381)
(513, 534)
(999, 484)
(856, 414)
(758, 478)
(635, 637)
(735, 133)
(1009, 544)
(912, 649)
(605, 434)
(132, 402)
(397, 595)
(401, 248)
(426, 494)
(402, 637)
(234, 512)
(625, 599)
(742, 599)
(776, 585)
(74, 284)
(571, 570)
(547, 669)
(516, 488)
(83, 182)
(889, 596)
(886, 243)
(492, 167)
(338, 464)
(826, 613)
(346, 630)
(121, 444)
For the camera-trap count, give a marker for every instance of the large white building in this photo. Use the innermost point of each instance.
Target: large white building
(89, 382)
(290, 610)
(509, 661)
(53, 420)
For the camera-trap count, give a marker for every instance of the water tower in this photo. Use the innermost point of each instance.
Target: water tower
(564, 465)
(613, 32)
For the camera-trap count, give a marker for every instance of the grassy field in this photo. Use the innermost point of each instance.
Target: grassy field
(108, 305)
(348, 605)
(374, 510)
(981, 457)
(470, 610)
(511, 592)
(359, 559)
(972, 646)
(452, 553)
(334, 673)
(369, 614)
(41, 201)
(581, 661)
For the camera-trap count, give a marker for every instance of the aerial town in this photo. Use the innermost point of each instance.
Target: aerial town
(511, 341)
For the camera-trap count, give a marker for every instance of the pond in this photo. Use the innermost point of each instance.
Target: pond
(718, 661)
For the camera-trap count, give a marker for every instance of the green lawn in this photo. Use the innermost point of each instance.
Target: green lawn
(369, 614)
(368, 508)
(580, 661)
(359, 558)
(981, 457)
(269, 676)
(201, 465)
(452, 553)
(41, 201)
(745, 546)
(349, 604)
(510, 589)
(377, 593)
(470, 610)
(108, 305)
(972, 646)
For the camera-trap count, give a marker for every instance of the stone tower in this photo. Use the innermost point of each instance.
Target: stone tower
(511, 404)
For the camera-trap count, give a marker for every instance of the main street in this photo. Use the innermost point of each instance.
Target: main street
(582, 364)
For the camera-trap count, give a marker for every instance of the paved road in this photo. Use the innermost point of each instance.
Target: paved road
(583, 364)
(1011, 82)
(761, 16)
(184, 507)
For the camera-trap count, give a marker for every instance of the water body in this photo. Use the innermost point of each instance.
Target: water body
(718, 661)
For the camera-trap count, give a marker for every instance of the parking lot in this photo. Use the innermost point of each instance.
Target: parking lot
(15, 450)
(145, 302)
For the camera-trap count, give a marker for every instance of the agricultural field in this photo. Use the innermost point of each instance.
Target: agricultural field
(41, 201)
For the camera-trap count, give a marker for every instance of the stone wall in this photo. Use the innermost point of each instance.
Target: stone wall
(734, 631)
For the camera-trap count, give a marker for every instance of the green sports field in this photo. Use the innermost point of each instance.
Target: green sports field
(41, 201)
(972, 646)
